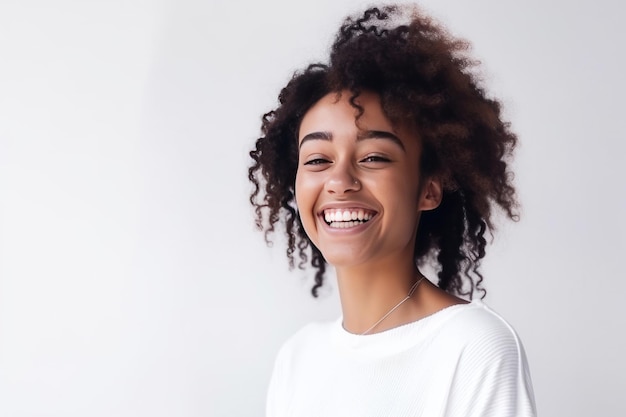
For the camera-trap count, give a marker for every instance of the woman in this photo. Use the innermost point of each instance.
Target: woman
(387, 159)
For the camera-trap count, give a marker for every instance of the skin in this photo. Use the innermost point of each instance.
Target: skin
(372, 167)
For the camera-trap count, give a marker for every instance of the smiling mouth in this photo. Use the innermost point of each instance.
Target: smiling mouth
(346, 218)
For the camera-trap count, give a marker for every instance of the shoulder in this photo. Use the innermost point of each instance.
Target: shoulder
(490, 370)
(476, 340)
(481, 361)
(476, 323)
(311, 338)
(311, 333)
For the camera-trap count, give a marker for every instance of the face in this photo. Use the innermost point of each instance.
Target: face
(358, 188)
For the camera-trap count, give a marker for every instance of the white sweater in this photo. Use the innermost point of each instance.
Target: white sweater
(464, 361)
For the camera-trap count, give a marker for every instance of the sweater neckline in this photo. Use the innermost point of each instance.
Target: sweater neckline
(396, 339)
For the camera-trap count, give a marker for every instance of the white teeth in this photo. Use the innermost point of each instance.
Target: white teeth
(345, 225)
(341, 219)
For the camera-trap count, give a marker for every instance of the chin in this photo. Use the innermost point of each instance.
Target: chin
(344, 259)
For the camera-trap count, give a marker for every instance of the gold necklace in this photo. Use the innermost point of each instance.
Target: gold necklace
(411, 291)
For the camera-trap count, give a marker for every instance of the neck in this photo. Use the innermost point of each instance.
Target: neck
(368, 292)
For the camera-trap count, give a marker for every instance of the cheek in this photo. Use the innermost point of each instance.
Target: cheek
(302, 198)
(404, 197)
(306, 196)
(305, 190)
(298, 193)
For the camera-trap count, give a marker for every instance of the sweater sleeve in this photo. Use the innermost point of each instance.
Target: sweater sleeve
(272, 405)
(491, 377)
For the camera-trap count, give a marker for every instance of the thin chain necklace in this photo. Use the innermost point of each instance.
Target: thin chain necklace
(411, 291)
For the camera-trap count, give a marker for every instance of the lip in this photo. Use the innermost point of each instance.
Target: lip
(344, 206)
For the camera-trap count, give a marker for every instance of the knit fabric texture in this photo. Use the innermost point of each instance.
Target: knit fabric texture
(464, 360)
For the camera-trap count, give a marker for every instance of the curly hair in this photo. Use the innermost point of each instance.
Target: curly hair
(424, 78)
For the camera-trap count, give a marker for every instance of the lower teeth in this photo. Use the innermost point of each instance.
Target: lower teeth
(345, 225)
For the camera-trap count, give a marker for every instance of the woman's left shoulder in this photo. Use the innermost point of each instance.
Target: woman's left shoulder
(476, 323)
(491, 368)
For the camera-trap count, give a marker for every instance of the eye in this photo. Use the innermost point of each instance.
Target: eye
(317, 161)
(375, 158)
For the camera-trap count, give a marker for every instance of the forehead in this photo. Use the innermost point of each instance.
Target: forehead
(334, 112)
(333, 116)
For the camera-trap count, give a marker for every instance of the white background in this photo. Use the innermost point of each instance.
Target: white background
(132, 282)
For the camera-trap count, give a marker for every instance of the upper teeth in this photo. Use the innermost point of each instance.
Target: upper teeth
(339, 215)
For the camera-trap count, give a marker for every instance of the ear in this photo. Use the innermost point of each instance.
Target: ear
(431, 194)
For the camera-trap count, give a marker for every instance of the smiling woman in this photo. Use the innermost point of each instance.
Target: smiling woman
(394, 158)
(369, 168)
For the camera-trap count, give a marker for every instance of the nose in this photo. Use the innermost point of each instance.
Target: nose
(342, 180)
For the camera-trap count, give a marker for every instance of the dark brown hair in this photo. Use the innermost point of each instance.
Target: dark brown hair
(424, 78)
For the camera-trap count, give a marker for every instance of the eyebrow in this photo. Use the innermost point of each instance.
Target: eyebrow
(368, 134)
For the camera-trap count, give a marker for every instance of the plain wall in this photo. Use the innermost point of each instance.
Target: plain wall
(132, 281)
